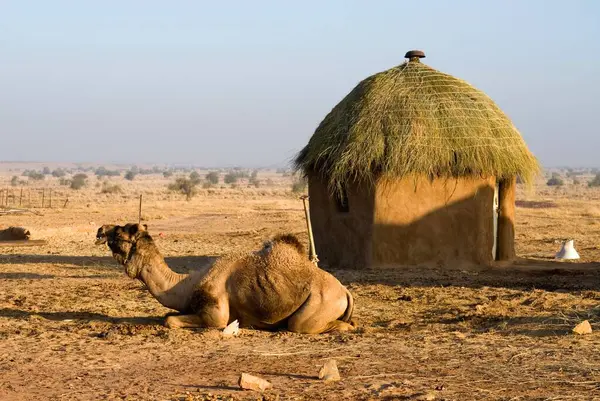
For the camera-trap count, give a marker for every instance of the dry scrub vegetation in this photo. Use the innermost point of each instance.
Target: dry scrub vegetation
(74, 327)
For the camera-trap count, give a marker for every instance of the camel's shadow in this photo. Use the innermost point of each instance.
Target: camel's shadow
(80, 316)
(180, 264)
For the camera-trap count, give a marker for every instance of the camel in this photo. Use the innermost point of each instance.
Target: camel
(14, 234)
(275, 288)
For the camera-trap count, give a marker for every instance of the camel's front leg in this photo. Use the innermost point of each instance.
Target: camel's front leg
(183, 321)
(214, 316)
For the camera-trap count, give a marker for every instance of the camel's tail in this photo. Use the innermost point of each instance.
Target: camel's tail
(347, 317)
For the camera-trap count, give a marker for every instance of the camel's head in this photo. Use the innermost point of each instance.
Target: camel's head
(122, 241)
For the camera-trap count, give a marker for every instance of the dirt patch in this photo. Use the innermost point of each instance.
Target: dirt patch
(74, 327)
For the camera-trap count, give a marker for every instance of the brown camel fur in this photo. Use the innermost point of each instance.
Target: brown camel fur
(14, 234)
(272, 289)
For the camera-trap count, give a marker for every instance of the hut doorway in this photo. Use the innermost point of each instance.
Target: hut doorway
(495, 212)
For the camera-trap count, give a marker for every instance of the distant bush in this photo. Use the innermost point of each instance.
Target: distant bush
(59, 172)
(185, 186)
(595, 182)
(556, 180)
(103, 172)
(111, 189)
(130, 175)
(167, 173)
(212, 177)
(230, 178)
(78, 181)
(254, 181)
(195, 177)
(14, 181)
(299, 185)
(46, 171)
(64, 181)
(36, 176)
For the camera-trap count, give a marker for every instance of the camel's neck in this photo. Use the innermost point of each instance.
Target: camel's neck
(171, 289)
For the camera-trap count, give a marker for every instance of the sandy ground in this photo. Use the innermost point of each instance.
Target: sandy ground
(74, 327)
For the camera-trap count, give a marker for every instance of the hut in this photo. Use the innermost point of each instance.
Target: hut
(414, 166)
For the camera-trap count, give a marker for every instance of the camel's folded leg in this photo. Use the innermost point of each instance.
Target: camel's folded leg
(184, 321)
(319, 315)
(214, 316)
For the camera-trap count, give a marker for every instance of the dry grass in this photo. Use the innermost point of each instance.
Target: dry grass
(73, 327)
(414, 119)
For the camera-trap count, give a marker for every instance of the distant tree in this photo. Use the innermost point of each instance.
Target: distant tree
(555, 180)
(167, 173)
(130, 175)
(212, 177)
(59, 172)
(254, 179)
(230, 178)
(78, 181)
(184, 185)
(195, 177)
(46, 171)
(14, 181)
(595, 182)
(36, 176)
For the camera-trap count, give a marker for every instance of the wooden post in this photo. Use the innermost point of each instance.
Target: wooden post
(50, 198)
(65, 205)
(21, 197)
(1, 196)
(312, 252)
(506, 219)
(140, 211)
(43, 195)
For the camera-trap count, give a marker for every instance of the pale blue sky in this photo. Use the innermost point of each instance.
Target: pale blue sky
(247, 82)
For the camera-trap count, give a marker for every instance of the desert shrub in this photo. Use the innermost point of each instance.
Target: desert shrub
(78, 181)
(46, 171)
(111, 189)
(103, 172)
(195, 177)
(595, 182)
(555, 180)
(185, 186)
(167, 173)
(14, 181)
(299, 185)
(130, 175)
(36, 176)
(59, 172)
(212, 177)
(254, 181)
(230, 178)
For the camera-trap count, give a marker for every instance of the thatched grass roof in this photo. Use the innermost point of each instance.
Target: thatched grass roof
(414, 119)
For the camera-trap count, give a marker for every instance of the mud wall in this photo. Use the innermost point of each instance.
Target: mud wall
(342, 238)
(441, 221)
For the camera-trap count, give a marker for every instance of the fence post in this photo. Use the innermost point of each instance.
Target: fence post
(43, 195)
(21, 197)
(50, 198)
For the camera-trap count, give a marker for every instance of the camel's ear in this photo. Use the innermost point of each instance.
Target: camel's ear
(137, 228)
